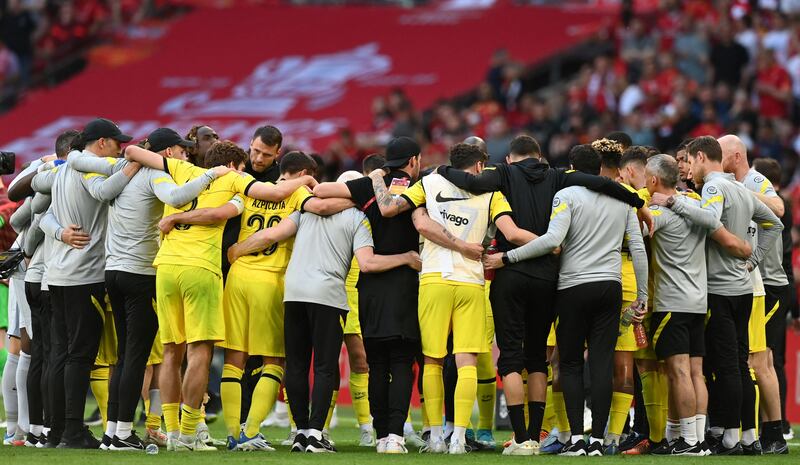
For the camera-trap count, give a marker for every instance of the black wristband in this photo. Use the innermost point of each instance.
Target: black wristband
(506, 260)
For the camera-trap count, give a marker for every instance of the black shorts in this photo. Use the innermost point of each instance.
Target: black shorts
(675, 333)
(777, 302)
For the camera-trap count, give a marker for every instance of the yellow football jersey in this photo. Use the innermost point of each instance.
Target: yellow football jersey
(628, 275)
(261, 214)
(199, 245)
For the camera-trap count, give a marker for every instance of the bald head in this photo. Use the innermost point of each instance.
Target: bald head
(734, 155)
(476, 141)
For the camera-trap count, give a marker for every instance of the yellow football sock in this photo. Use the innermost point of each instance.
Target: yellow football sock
(330, 409)
(359, 392)
(433, 387)
(146, 405)
(264, 396)
(425, 423)
(190, 417)
(652, 405)
(171, 420)
(549, 419)
(98, 381)
(663, 392)
(620, 407)
(758, 397)
(230, 390)
(408, 418)
(292, 425)
(153, 420)
(560, 411)
(525, 394)
(486, 391)
(464, 398)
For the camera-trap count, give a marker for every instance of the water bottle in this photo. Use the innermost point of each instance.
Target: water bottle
(640, 334)
(626, 318)
(151, 449)
(491, 250)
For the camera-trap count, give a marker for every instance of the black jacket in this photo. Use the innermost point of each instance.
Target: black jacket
(530, 185)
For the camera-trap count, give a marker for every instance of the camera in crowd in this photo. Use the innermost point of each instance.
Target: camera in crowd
(7, 165)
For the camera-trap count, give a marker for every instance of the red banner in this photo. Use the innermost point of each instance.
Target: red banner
(310, 71)
(793, 377)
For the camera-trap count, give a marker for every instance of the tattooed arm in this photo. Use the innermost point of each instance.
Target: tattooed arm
(439, 235)
(389, 205)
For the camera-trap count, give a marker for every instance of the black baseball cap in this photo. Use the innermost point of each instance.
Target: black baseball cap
(399, 150)
(163, 138)
(103, 128)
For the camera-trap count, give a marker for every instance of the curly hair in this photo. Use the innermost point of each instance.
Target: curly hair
(465, 155)
(224, 153)
(610, 152)
(191, 152)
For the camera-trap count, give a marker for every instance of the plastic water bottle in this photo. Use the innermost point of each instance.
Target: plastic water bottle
(491, 250)
(640, 334)
(151, 449)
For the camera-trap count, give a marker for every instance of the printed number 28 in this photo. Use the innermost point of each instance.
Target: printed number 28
(259, 221)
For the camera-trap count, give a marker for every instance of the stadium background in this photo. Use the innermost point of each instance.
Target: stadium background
(342, 77)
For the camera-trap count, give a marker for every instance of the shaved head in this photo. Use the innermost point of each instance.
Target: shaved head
(734, 154)
(476, 141)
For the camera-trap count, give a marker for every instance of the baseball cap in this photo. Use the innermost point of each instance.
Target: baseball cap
(163, 138)
(100, 128)
(399, 150)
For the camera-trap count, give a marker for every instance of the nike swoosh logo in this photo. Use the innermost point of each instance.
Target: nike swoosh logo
(440, 199)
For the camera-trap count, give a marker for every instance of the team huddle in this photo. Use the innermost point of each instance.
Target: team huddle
(663, 275)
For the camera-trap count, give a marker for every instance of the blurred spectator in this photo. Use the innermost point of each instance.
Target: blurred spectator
(18, 26)
(638, 46)
(773, 85)
(497, 65)
(777, 38)
(498, 139)
(691, 48)
(9, 75)
(728, 57)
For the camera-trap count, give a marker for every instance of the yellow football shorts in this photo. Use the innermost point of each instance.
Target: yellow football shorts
(157, 351)
(489, 317)
(758, 325)
(189, 303)
(551, 337)
(352, 326)
(253, 312)
(458, 306)
(626, 341)
(107, 353)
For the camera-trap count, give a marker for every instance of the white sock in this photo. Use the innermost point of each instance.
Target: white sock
(716, 431)
(187, 439)
(366, 427)
(314, 433)
(10, 392)
(448, 428)
(594, 440)
(111, 428)
(748, 437)
(124, 429)
(155, 401)
(23, 420)
(700, 423)
(436, 432)
(689, 430)
(730, 437)
(673, 430)
(45, 430)
(460, 433)
(397, 438)
(564, 436)
(575, 438)
(174, 434)
(280, 407)
(36, 430)
(611, 438)
(408, 428)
